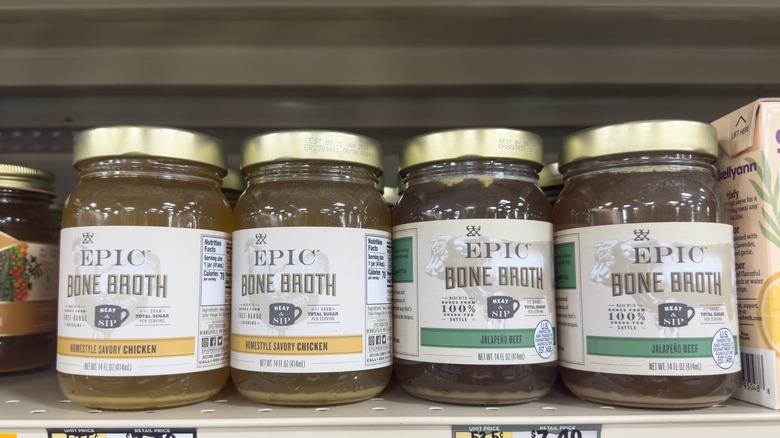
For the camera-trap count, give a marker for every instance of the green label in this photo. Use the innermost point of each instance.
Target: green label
(650, 347)
(403, 260)
(565, 266)
(476, 338)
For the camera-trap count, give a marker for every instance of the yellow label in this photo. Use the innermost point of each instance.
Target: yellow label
(70, 435)
(497, 434)
(309, 345)
(7, 435)
(122, 348)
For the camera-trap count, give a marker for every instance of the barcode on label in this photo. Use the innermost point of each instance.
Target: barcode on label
(753, 371)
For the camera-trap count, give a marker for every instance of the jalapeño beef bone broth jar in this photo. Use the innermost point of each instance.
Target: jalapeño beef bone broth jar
(472, 269)
(144, 270)
(312, 287)
(29, 235)
(644, 268)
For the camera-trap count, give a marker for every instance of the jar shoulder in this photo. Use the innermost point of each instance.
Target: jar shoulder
(472, 198)
(625, 197)
(153, 202)
(298, 203)
(29, 219)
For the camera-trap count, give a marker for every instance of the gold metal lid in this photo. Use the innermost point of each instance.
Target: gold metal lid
(312, 145)
(26, 178)
(149, 141)
(234, 180)
(640, 136)
(549, 176)
(461, 144)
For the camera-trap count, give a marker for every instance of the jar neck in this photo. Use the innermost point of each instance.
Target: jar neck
(468, 169)
(312, 171)
(638, 163)
(150, 167)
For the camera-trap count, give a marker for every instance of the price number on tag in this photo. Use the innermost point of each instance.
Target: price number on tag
(496, 434)
(565, 433)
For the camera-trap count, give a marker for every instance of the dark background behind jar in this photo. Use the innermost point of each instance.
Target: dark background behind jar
(386, 69)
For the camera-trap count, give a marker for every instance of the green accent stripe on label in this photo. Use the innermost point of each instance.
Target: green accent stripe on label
(650, 347)
(476, 338)
(565, 266)
(403, 260)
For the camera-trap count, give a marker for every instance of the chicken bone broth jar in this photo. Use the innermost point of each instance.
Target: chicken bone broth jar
(144, 270)
(644, 268)
(29, 238)
(472, 269)
(312, 293)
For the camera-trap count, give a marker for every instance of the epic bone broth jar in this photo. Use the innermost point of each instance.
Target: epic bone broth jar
(472, 269)
(144, 274)
(29, 235)
(311, 293)
(644, 268)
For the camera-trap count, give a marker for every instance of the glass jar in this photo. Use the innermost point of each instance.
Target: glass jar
(144, 270)
(312, 293)
(551, 182)
(233, 184)
(644, 267)
(472, 269)
(29, 238)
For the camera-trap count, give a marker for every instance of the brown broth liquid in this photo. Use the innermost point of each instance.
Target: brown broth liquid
(35, 223)
(189, 199)
(476, 196)
(328, 200)
(633, 197)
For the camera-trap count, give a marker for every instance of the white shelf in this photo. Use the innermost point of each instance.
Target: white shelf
(31, 403)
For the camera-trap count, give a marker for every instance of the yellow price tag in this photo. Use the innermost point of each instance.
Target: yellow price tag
(483, 434)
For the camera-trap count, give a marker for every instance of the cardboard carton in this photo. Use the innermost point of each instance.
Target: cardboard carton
(749, 181)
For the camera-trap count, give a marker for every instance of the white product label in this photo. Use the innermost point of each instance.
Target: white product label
(311, 300)
(476, 291)
(140, 301)
(653, 299)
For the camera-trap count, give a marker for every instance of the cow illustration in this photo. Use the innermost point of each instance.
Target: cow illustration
(615, 256)
(619, 257)
(452, 252)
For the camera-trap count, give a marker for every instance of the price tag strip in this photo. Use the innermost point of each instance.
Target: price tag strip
(529, 431)
(123, 433)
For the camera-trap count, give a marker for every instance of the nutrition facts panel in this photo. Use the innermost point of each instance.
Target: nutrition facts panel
(379, 296)
(379, 271)
(215, 271)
